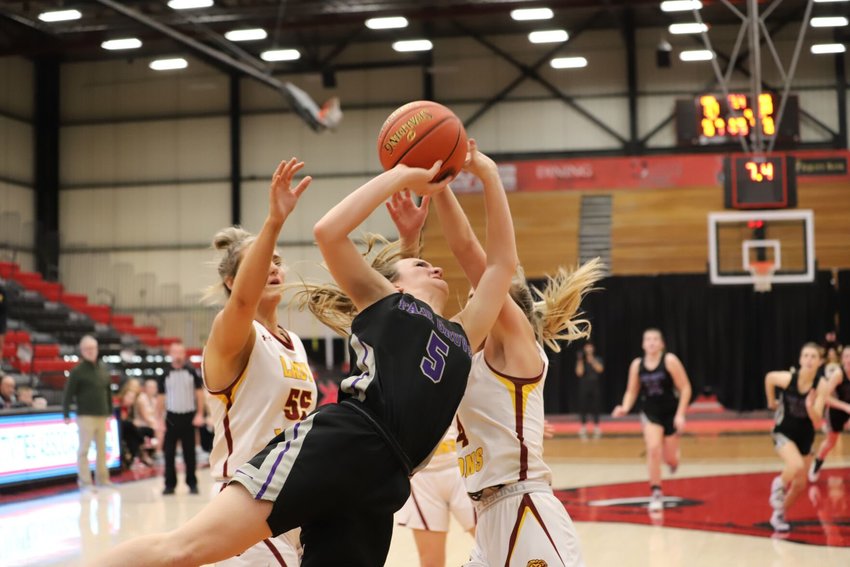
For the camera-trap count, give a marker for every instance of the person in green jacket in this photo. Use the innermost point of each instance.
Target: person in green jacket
(89, 386)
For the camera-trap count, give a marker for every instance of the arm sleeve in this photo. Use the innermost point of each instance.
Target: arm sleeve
(199, 383)
(69, 393)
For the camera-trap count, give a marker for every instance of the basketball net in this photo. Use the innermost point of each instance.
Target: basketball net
(762, 273)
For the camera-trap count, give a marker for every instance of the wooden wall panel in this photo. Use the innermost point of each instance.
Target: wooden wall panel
(546, 226)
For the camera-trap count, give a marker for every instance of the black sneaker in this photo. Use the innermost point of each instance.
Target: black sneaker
(168, 491)
(193, 490)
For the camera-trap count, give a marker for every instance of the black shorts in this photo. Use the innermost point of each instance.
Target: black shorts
(337, 478)
(803, 440)
(665, 420)
(837, 419)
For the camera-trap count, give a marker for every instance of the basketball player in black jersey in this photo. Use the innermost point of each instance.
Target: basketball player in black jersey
(341, 473)
(665, 391)
(837, 411)
(799, 411)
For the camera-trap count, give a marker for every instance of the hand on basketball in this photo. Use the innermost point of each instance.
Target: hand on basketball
(679, 423)
(420, 180)
(619, 411)
(477, 163)
(282, 198)
(407, 216)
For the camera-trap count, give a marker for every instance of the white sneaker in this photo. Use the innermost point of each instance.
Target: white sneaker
(656, 504)
(597, 433)
(777, 521)
(777, 494)
(582, 433)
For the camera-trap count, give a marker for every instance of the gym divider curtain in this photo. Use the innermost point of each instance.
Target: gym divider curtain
(728, 337)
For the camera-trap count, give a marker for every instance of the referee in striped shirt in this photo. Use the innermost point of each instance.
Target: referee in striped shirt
(181, 395)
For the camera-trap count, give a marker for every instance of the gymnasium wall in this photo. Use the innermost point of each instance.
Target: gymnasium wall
(145, 156)
(17, 203)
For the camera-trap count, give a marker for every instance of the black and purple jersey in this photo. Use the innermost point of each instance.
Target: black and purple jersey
(792, 417)
(409, 369)
(658, 394)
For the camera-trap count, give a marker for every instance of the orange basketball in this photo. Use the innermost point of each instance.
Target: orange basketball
(421, 133)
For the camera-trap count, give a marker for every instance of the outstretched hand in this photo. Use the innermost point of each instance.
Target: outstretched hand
(477, 163)
(282, 198)
(407, 216)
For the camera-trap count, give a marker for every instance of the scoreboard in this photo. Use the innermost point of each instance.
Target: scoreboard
(712, 119)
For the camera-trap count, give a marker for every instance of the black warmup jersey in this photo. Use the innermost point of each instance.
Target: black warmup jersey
(792, 418)
(838, 418)
(658, 394)
(842, 392)
(409, 369)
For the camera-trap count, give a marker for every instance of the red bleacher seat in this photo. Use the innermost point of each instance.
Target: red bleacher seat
(149, 340)
(8, 269)
(51, 291)
(99, 313)
(74, 300)
(17, 337)
(9, 350)
(27, 279)
(56, 365)
(124, 320)
(45, 351)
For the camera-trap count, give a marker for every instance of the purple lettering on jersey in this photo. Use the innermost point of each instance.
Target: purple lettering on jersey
(652, 381)
(457, 339)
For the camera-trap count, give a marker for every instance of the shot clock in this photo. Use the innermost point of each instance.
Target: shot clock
(715, 119)
(760, 182)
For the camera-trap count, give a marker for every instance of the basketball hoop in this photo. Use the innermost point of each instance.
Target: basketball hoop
(762, 273)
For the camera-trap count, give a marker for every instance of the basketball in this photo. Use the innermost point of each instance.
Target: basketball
(421, 133)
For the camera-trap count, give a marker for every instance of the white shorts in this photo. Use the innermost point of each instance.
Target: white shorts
(278, 551)
(524, 525)
(433, 495)
(283, 550)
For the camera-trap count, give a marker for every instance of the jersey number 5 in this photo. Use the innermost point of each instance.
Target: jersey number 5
(295, 408)
(434, 362)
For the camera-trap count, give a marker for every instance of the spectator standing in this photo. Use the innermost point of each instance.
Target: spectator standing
(89, 387)
(7, 392)
(589, 369)
(181, 395)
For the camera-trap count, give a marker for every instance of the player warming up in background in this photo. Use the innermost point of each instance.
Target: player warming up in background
(256, 372)
(799, 412)
(500, 419)
(660, 379)
(837, 412)
(341, 473)
(437, 492)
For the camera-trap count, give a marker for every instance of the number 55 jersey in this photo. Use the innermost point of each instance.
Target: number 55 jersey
(274, 391)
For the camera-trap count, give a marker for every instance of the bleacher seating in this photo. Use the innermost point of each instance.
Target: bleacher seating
(47, 323)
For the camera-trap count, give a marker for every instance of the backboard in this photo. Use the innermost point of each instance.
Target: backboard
(740, 241)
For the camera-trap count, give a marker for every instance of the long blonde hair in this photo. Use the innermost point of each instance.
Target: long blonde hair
(554, 311)
(233, 240)
(329, 304)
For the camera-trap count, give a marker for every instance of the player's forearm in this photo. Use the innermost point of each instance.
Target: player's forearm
(501, 240)
(684, 399)
(459, 234)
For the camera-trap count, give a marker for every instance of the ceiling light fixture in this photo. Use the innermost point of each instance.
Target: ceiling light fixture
(548, 36)
(697, 55)
(680, 5)
(568, 63)
(681, 29)
(828, 48)
(388, 23)
(253, 34)
(60, 16)
(123, 43)
(189, 4)
(828, 22)
(168, 64)
(527, 14)
(280, 55)
(407, 45)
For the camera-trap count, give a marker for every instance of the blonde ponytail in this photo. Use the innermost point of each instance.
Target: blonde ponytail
(233, 240)
(329, 304)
